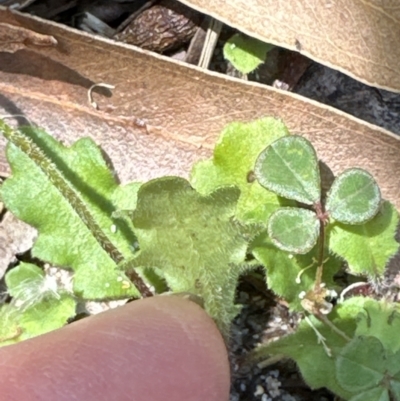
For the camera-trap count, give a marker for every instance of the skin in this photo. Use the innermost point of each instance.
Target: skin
(162, 348)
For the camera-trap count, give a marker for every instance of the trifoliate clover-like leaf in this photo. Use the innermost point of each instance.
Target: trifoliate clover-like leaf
(310, 344)
(381, 319)
(289, 167)
(233, 162)
(194, 240)
(293, 229)
(374, 394)
(245, 53)
(64, 237)
(361, 364)
(354, 197)
(367, 248)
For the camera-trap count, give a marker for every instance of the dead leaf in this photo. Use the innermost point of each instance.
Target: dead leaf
(13, 38)
(163, 115)
(15, 237)
(357, 37)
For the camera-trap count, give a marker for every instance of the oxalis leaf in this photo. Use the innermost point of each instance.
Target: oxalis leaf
(234, 157)
(294, 230)
(193, 240)
(367, 248)
(38, 198)
(364, 365)
(289, 167)
(381, 319)
(310, 354)
(37, 306)
(354, 197)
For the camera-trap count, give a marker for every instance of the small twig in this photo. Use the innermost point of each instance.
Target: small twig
(349, 288)
(90, 94)
(213, 32)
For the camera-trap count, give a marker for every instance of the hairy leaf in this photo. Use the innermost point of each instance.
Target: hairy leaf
(289, 167)
(245, 53)
(37, 306)
(64, 237)
(294, 230)
(234, 157)
(354, 197)
(367, 248)
(193, 240)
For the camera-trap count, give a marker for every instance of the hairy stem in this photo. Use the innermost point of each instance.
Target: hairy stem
(36, 154)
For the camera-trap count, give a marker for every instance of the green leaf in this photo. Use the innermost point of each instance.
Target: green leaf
(28, 284)
(289, 167)
(47, 315)
(194, 240)
(317, 368)
(294, 230)
(64, 238)
(234, 157)
(381, 319)
(395, 388)
(354, 197)
(361, 365)
(289, 275)
(367, 248)
(38, 305)
(245, 53)
(374, 394)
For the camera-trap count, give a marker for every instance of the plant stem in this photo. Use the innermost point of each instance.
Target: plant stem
(49, 168)
(320, 261)
(322, 217)
(326, 321)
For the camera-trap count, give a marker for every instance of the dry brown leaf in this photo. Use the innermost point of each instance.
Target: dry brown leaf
(357, 37)
(13, 38)
(15, 237)
(164, 115)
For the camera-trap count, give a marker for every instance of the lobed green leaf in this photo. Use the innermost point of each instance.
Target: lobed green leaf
(290, 275)
(367, 248)
(64, 238)
(193, 240)
(233, 162)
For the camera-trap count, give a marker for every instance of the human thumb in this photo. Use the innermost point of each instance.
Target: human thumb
(161, 348)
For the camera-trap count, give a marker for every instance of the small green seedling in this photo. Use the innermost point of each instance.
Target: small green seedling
(245, 53)
(256, 202)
